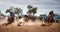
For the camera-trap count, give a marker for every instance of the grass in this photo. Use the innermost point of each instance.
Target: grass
(55, 27)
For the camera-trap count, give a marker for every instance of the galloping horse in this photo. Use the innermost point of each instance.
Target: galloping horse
(10, 19)
(50, 18)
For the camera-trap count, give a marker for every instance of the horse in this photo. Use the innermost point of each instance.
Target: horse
(49, 19)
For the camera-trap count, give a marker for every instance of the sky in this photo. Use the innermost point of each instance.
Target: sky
(44, 6)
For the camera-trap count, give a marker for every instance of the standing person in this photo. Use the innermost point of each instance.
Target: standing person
(41, 18)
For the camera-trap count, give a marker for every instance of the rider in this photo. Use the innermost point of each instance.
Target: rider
(51, 16)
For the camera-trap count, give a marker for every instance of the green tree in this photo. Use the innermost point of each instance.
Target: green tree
(32, 9)
(9, 10)
(29, 7)
(18, 11)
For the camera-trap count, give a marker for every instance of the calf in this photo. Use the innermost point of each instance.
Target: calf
(23, 20)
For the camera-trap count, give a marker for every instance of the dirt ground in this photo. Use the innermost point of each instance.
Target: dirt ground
(55, 27)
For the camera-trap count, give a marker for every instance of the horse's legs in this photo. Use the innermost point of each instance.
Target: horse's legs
(10, 21)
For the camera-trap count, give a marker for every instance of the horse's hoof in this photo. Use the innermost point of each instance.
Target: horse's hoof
(43, 25)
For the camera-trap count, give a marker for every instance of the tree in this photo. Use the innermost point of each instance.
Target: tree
(32, 9)
(29, 7)
(9, 10)
(18, 11)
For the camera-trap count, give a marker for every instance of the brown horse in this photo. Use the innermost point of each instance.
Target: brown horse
(50, 19)
(10, 20)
